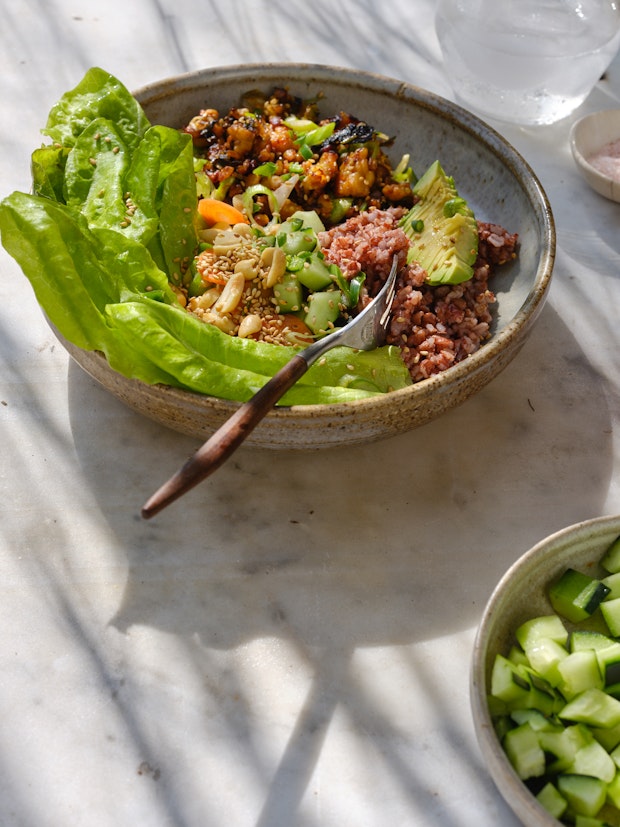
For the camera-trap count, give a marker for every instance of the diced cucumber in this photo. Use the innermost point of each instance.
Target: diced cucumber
(593, 707)
(593, 759)
(588, 821)
(552, 800)
(563, 746)
(536, 720)
(610, 610)
(584, 795)
(613, 791)
(517, 656)
(323, 310)
(586, 639)
(545, 655)
(502, 724)
(315, 274)
(612, 581)
(507, 683)
(609, 662)
(576, 596)
(608, 737)
(579, 671)
(288, 294)
(614, 754)
(546, 626)
(524, 752)
(557, 713)
(611, 559)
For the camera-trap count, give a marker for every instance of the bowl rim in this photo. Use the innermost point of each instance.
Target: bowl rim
(511, 787)
(491, 139)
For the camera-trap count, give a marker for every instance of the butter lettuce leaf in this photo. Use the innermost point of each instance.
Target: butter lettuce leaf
(105, 237)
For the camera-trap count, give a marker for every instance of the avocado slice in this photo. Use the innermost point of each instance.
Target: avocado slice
(442, 229)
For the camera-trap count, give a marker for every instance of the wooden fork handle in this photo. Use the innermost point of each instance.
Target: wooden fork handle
(225, 441)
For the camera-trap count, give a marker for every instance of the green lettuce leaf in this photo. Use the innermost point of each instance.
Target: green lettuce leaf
(110, 229)
(98, 95)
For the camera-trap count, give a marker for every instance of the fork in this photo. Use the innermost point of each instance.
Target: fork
(364, 332)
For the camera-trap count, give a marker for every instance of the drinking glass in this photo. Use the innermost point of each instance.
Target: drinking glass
(526, 61)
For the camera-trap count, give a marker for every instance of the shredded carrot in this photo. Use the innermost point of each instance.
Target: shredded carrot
(219, 212)
(213, 279)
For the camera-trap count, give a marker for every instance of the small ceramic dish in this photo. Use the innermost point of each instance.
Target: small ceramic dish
(520, 595)
(588, 136)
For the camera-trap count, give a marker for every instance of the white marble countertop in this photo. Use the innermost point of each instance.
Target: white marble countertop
(283, 650)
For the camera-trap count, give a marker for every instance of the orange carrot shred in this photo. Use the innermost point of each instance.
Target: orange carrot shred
(219, 212)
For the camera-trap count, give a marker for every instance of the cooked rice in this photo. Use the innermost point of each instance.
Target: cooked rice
(435, 327)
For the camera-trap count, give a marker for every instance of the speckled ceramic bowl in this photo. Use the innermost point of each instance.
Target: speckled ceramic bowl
(519, 596)
(490, 174)
(588, 135)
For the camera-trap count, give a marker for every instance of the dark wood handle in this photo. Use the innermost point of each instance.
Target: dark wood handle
(225, 441)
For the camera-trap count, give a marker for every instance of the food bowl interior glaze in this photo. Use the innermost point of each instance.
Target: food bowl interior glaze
(520, 595)
(489, 173)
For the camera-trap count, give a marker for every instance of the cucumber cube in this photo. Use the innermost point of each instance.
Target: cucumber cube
(524, 752)
(584, 795)
(615, 756)
(613, 583)
(586, 639)
(579, 671)
(546, 626)
(563, 746)
(545, 655)
(576, 596)
(593, 707)
(588, 821)
(593, 759)
(517, 656)
(552, 800)
(610, 610)
(507, 683)
(611, 559)
(536, 720)
(613, 791)
(608, 737)
(609, 661)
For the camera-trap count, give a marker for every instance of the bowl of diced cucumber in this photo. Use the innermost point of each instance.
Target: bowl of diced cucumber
(545, 680)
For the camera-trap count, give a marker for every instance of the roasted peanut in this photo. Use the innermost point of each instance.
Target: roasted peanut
(231, 294)
(249, 325)
(275, 259)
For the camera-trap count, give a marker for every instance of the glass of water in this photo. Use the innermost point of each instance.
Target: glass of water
(526, 61)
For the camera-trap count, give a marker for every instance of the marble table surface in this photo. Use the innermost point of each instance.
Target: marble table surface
(290, 646)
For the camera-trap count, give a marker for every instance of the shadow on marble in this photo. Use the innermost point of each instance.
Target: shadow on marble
(384, 544)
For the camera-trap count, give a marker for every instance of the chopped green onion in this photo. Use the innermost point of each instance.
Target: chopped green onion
(340, 207)
(305, 151)
(300, 125)
(454, 205)
(320, 134)
(258, 189)
(403, 173)
(266, 170)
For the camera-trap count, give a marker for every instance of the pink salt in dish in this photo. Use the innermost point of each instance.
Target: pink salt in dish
(607, 160)
(595, 144)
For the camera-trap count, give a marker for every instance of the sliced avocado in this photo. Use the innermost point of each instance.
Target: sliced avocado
(442, 229)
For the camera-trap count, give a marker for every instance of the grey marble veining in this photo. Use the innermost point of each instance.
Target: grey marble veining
(290, 645)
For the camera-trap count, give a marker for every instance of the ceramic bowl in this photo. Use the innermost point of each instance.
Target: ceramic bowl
(588, 135)
(519, 596)
(497, 182)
